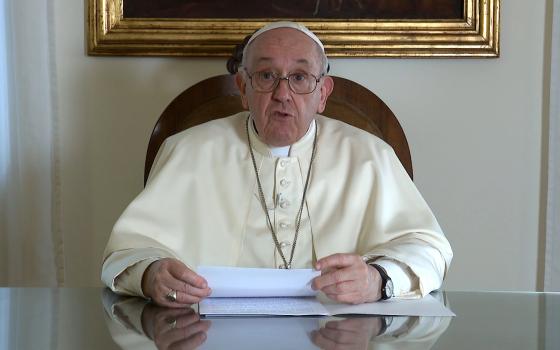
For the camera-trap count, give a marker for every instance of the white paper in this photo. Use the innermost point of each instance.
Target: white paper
(256, 282)
(321, 306)
(284, 306)
(426, 306)
(255, 291)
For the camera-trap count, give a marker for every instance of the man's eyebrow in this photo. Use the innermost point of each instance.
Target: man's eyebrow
(304, 61)
(260, 59)
(269, 59)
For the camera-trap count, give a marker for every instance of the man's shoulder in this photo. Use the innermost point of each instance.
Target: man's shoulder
(227, 128)
(339, 131)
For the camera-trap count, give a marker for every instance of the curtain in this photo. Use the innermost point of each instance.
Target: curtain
(552, 253)
(4, 318)
(31, 251)
(30, 318)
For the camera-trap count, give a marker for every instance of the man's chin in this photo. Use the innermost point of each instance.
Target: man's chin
(280, 140)
(280, 136)
(281, 143)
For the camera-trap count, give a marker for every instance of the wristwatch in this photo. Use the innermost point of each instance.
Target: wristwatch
(386, 282)
(386, 322)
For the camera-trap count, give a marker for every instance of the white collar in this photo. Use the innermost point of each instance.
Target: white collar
(283, 151)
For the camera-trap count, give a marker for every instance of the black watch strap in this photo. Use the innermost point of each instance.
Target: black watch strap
(385, 323)
(386, 282)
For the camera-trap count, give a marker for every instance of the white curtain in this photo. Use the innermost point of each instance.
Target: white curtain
(552, 254)
(4, 319)
(31, 252)
(30, 318)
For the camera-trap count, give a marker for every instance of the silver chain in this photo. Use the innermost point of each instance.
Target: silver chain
(287, 264)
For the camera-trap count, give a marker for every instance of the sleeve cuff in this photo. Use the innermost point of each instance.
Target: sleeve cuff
(122, 270)
(405, 283)
(130, 280)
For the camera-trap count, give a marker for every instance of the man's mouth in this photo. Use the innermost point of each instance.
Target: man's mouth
(281, 114)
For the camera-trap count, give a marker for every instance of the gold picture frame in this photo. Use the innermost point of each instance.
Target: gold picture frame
(475, 35)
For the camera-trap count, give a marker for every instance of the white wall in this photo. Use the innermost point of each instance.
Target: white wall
(474, 126)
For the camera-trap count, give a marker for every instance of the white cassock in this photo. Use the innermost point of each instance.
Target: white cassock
(201, 205)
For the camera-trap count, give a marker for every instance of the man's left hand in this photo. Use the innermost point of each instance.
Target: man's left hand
(347, 278)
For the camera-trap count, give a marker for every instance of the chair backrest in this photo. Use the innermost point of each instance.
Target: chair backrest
(218, 97)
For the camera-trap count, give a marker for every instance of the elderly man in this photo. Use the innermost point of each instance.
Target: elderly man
(278, 186)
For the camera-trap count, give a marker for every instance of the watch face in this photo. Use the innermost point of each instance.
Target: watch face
(389, 288)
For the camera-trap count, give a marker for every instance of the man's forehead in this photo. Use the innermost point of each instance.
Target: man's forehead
(302, 63)
(291, 43)
(283, 36)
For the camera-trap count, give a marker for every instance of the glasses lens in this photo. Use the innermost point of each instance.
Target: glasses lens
(302, 83)
(264, 81)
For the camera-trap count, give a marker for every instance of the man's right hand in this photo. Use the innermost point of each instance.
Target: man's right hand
(166, 275)
(174, 328)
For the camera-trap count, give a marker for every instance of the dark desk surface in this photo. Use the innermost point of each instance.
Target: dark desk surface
(90, 318)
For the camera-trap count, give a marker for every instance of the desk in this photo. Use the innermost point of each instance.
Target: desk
(76, 318)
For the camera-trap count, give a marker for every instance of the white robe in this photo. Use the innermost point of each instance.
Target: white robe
(201, 205)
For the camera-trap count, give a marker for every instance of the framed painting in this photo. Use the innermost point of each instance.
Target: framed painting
(348, 28)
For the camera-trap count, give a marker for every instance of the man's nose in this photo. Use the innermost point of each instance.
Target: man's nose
(282, 90)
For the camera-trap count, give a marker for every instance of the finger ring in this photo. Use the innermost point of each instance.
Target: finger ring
(171, 296)
(171, 322)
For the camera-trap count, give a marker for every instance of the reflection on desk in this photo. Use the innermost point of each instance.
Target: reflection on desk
(137, 324)
(73, 318)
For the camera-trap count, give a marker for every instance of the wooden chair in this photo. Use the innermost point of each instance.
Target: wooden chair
(218, 97)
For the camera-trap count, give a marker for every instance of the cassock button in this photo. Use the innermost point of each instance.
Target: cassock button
(284, 183)
(285, 244)
(284, 204)
(283, 163)
(283, 225)
(280, 198)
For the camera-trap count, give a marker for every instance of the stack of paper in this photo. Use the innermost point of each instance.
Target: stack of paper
(251, 291)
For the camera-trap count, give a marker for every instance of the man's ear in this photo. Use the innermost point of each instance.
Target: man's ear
(326, 89)
(242, 85)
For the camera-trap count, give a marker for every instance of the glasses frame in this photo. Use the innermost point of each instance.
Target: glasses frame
(287, 78)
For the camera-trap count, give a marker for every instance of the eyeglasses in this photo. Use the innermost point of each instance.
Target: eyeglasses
(300, 83)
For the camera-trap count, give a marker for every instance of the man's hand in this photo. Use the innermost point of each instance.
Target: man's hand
(347, 278)
(348, 334)
(174, 328)
(165, 275)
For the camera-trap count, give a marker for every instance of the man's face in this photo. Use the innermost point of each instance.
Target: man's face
(281, 116)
